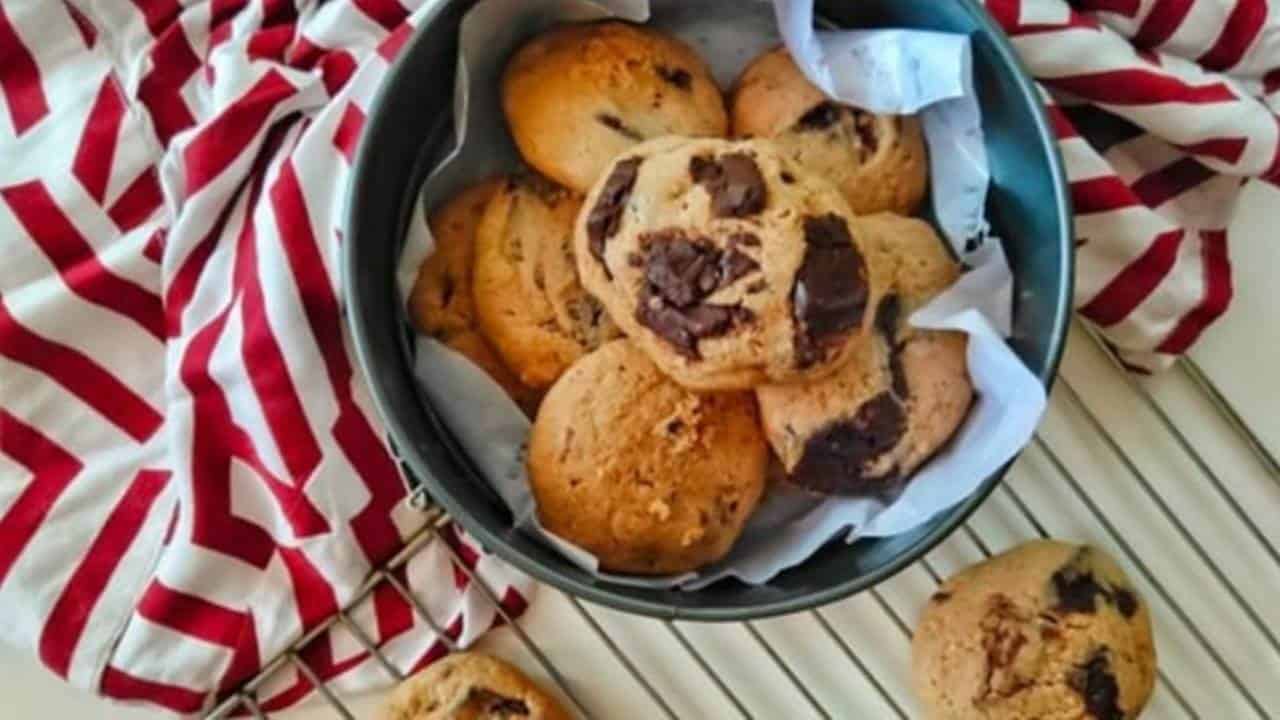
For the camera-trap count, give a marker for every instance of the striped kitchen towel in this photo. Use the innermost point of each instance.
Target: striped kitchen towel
(1163, 109)
(190, 471)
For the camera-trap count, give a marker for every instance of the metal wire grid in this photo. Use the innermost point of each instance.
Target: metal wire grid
(244, 699)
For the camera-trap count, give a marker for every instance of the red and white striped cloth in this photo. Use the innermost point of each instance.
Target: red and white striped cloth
(1163, 109)
(191, 474)
(190, 471)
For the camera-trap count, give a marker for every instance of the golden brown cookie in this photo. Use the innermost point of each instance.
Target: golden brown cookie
(471, 686)
(441, 301)
(864, 429)
(646, 475)
(877, 161)
(528, 299)
(728, 264)
(1045, 630)
(579, 94)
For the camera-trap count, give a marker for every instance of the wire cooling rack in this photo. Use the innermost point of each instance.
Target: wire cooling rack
(1201, 546)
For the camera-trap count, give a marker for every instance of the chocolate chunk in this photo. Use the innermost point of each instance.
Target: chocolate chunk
(887, 323)
(678, 77)
(1098, 687)
(1126, 601)
(787, 177)
(734, 182)
(1076, 591)
(864, 123)
(830, 294)
(679, 270)
(836, 459)
(494, 705)
(683, 328)
(940, 597)
(757, 286)
(680, 273)
(606, 216)
(821, 117)
(735, 264)
(613, 122)
(744, 239)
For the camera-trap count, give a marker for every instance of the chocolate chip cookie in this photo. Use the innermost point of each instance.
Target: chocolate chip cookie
(441, 301)
(471, 686)
(580, 94)
(528, 299)
(864, 429)
(877, 161)
(1045, 630)
(649, 477)
(727, 263)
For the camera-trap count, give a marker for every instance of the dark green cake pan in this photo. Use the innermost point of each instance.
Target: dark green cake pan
(409, 128)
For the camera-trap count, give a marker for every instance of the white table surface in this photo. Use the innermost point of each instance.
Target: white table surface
(1241, 355)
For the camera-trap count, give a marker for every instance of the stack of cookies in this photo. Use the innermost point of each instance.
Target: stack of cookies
(685, 295)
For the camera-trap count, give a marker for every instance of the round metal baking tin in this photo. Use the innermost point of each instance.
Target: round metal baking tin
(408, 129)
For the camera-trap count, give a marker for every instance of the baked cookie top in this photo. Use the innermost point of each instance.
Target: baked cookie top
(865, 428)
(1045, 630)
(579, 94)
(528, 299)
(649, 477)
(727, 264)
(877, 161)
(471, 686)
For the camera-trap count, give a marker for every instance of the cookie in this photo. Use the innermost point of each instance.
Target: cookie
(864, 429)
(580, 94)
(441, 301)
(471, 686)
(877, 161)
(1045, 630)
(649, 477)
(529, 302)
(728, 264)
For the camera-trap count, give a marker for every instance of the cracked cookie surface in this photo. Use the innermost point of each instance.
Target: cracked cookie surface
(865, 428)
(649, 477)
(1047, 630)
(579, 94)
(877, 161)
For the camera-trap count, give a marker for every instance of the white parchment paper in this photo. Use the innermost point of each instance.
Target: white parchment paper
(894, 71)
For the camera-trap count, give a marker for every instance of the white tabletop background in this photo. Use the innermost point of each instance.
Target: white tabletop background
(1241, 355)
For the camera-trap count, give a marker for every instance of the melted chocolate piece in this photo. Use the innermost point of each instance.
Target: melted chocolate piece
(940, 597)
(679, 77)
(1098, 687)
(830, 294)
(1126, 601)
(821, 117)
(787, 177)
(835, 459)
(606, 216)
(495, 705)
(614, 123)
(1076, 591)
(680, 273)
(734, 182)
